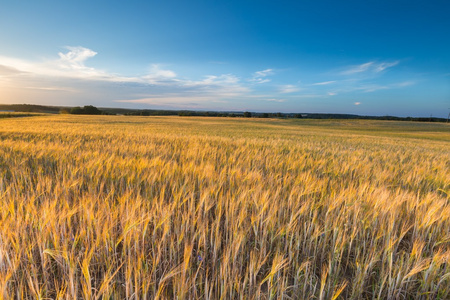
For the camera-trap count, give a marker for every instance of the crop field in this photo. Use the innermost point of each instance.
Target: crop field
(116, 207)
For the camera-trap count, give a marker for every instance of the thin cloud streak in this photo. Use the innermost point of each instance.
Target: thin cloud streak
(383, 66)
(374, 87)
(276, 100)
(325, 82)
(51, 89)
(261, 76)
(288, 88)
(169, 100)
(8, 71)
(369, 67)
(358, 69)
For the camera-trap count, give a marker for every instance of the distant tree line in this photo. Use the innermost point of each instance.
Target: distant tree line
(152, 112)
(92, 110)
(86, 110)
(29, 108)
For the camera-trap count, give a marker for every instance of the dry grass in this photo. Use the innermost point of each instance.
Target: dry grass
(167, 207)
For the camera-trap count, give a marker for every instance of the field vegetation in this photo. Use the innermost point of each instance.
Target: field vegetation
(113, 207)
(4, 114)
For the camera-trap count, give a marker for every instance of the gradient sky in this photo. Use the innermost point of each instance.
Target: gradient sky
(362, 57)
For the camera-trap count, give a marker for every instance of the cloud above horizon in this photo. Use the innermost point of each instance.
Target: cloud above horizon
(261, 76)
(69, 77)
(76, 57)
(325, 82)
(70, 73)
(369, 67)
(288, 89)
(6, 71)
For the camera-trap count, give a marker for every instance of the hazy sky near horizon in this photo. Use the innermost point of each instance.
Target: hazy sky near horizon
(371, 57)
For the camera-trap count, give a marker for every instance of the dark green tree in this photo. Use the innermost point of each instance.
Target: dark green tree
(76, 110)
(91, 110)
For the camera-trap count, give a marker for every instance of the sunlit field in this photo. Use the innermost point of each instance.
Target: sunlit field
(114, 207)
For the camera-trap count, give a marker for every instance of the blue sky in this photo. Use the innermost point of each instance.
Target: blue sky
(362, 57)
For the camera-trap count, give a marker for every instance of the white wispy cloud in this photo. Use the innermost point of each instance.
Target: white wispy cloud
(229, 79)
(7, 71)
(221, 86)
(70, 64)
(325, 82)
(310, 96)
(276, 100)
(365, 85)
(370, 67)
(261, 76)
(263, 73)
(172, 101)
(70, 72)
(404, 83)
(383, 66)
(358, 69)
(372, 87)
(156, 75)
(70, 77)
(14, 64)
(288, 88)
(76, 57)
(357, 103)
(51, 88)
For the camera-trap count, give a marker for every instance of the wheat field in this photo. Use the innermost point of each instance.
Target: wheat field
(116, 207)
